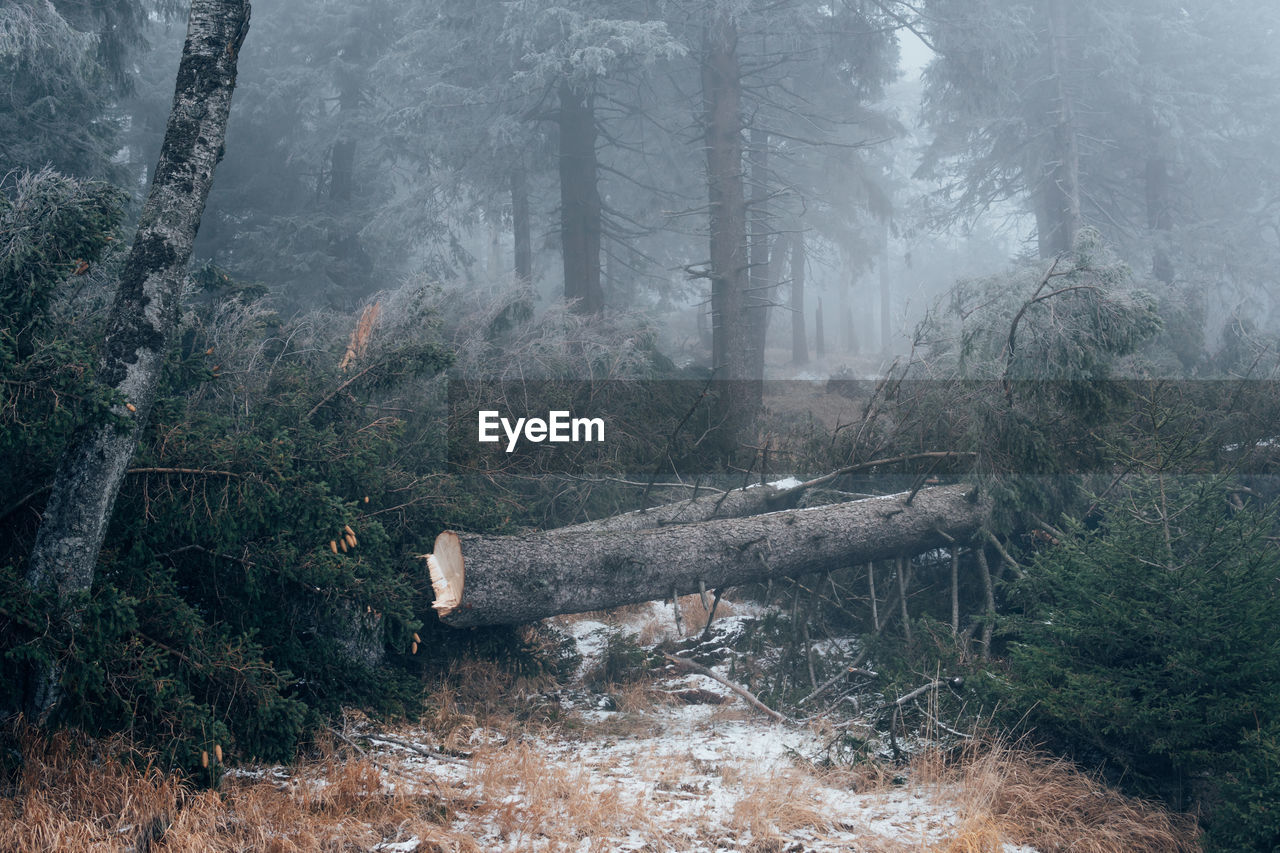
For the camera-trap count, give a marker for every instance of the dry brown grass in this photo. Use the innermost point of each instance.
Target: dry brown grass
(75, 795)
(1008, 793)
(524, 796)
(479, 693)
(777, 803)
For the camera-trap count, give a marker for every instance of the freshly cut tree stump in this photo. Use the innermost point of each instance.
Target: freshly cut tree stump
(497, 580)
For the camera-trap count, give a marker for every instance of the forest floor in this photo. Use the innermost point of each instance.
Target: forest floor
(668, 761)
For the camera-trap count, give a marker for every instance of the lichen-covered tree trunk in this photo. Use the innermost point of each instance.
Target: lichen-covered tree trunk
(490, 580)
(143, 317)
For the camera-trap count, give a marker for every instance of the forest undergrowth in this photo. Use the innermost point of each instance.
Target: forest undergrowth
(607, 757)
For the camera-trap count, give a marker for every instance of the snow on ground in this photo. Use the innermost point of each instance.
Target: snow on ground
(702, 778)
(697, 773)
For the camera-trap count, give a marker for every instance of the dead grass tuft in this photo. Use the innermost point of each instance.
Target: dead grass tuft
(526, 796)
(774, 804)
(75, 795)
(479, 693)
(1015, 794)
(977, 835)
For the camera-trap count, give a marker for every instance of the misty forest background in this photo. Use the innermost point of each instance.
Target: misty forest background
(1064, 215)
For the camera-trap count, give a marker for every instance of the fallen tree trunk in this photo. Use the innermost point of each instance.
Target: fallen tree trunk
(494, 580)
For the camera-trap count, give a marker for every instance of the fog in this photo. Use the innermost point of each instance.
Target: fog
(572, 149)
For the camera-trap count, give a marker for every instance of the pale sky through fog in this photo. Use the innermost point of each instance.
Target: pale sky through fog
(915, 55)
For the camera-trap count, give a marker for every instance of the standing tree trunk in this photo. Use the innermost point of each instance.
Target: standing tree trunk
(886, 291)
(1159, 208)
(1062, 167)
(142, 320)
(799, 339)
(520, 225)
(730, 335)
(580, 208)
(342, 157)
(759, 278)
(349, 267)
(819, 331)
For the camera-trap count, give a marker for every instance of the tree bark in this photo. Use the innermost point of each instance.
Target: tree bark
(1062, 179)
(520, 225)
(143, 317)
(1159, 207)
(722, 104)
(799, 339)
(490, 580)
(759, 277)
(580, 207)
(733, 504)
(886, 291)
(819, 332)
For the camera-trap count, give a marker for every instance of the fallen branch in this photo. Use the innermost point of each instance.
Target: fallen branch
(920, 691)
(1004, 555)
(741, 691)
(711, 614)
(418, 748)
(839, 676)
(933, 719)
(937, 455)
(375, 762)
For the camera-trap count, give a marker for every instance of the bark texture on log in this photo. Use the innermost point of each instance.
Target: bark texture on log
(494, 580)
(145, 311)
(753, 500)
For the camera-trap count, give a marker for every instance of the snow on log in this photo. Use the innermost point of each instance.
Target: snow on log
(495, 580)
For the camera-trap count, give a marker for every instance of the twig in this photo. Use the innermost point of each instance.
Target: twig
(919, 691)
(715, 602)
(418, 748)
(741, 691)
(955, 590)
(922, 479)
(783, 494)
(830, 682)
(22, 501)
(675, 606)
(939, 723)
(988, 622)
(1004, 555)
(375, 762)
(336, 391)
(182, 471)
(904, 580)
(1049, 528)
